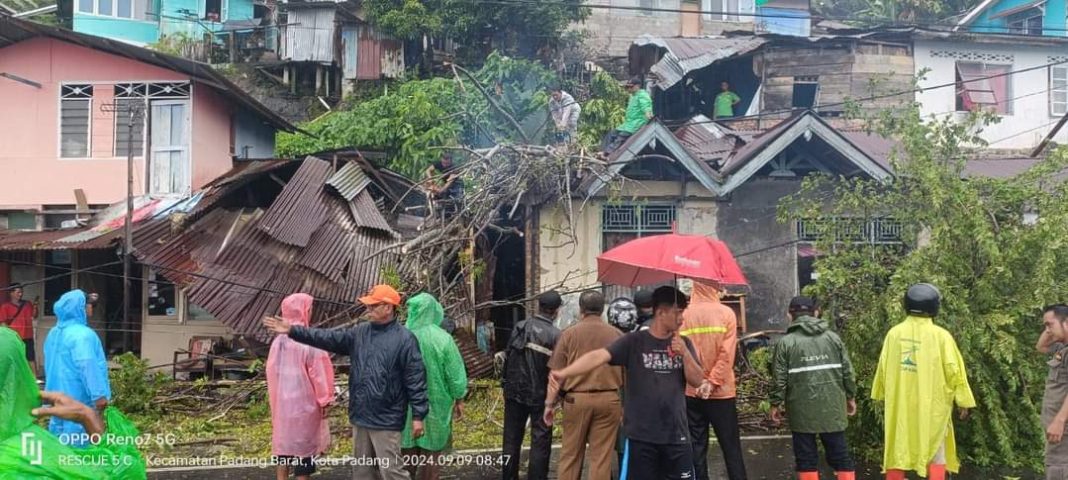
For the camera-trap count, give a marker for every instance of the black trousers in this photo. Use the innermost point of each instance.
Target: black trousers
(649, 461)
(541, 438)
(722, 415)
(807, 455)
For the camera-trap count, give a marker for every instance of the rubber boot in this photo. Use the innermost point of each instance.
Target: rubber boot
(808, 475)
(895, 475)
(845, 475)
(936, 472)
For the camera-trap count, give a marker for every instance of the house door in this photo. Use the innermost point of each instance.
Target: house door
(170, 170)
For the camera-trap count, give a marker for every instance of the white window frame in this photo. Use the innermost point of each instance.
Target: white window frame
(1023, 22)
(114, 9)
(747, 7)
(59, 122)
(1058, 109)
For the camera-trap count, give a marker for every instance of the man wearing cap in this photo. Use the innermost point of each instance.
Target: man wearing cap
(387, 376)
(639, 112)
(526, 379)
(920, 376)
(813, 379)
(18, 314)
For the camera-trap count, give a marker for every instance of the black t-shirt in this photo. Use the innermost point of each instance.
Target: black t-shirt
(654, 400)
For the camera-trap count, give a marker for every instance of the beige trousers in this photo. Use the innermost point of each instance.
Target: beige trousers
(377, 455)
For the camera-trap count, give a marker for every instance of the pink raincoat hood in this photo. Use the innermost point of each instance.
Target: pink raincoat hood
(300, 384)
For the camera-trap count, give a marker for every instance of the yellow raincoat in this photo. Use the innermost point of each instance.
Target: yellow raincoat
(920, 376)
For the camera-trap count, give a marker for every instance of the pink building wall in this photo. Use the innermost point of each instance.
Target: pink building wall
(29, 126)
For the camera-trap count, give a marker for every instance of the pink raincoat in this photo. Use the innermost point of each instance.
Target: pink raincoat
(300, 384)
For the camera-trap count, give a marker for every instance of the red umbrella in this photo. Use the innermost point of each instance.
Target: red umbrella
(662, 258)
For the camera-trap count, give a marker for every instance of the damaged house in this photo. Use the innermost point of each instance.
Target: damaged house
(211, 265)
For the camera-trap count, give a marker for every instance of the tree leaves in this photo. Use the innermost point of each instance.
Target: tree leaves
(970, 237)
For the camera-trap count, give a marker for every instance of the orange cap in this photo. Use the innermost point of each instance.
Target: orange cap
(381, 294)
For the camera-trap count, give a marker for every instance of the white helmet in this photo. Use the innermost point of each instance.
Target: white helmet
(623, 314)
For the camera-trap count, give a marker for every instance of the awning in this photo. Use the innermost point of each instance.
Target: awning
(1020, 9)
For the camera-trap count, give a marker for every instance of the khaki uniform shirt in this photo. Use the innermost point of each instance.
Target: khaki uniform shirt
(589, 334)
(1053, 399)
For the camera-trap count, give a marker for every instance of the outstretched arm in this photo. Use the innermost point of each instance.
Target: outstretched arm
(584, 364)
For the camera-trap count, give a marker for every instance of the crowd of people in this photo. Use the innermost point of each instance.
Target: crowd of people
(641, 390)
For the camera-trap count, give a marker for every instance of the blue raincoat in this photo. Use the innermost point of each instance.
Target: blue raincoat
(74, 363)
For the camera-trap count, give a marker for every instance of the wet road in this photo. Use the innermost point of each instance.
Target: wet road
(766, 459)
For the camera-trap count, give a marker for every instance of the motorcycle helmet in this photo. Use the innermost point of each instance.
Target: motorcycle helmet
(923, 299)
(623, 314)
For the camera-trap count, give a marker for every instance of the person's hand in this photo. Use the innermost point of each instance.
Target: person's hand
(1055, 432)
(851, 407)
(458, 410)
(547, 417)
(964, 413)
(277, 325)
(677, 345)
(556, 377)
(705, 390)
(417, 428)
(101, 404)
(67, 408)
(776, 416)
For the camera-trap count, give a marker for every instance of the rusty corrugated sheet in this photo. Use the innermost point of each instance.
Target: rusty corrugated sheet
(367, 215)
(377, 55)
(298, 211)
(682, 55)
(349, 181)
(229, 266)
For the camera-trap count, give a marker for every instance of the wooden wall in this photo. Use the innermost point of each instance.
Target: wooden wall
(851, 69)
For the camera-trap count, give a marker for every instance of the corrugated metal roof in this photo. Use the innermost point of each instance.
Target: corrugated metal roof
(349, 181)
(705, 140)
(367, 215)
(298, 210)
(684, 55)
(231, 267)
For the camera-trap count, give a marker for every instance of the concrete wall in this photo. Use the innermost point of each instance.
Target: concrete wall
(611, 31)
(138, 32)
(747, 223)
(162, 336)
(1030, 120)
(29, 144)
(571, 265)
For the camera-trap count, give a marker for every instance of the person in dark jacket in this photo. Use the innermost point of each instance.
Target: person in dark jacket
(526, 379)
(643, 299)
(387, 376)
(813, 378)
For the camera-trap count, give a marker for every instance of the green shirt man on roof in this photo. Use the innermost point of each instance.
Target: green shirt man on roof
(639, 112)
(725, 102)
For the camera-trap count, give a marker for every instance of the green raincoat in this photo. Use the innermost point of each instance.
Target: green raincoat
(29, 451)
(446, 378)
(920, 376)
(813, 377)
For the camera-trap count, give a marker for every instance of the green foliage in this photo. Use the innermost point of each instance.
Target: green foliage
(176, 44)
(604, 111)
(970, 238)
(414, 120)
(518, 27)
(134, 388)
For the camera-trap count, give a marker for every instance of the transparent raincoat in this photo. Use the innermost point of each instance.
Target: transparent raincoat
(29, 451)
(74, 362)
(446, 377)
(300, 384)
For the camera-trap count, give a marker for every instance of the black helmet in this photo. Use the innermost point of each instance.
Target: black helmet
(923, 299)
(623, 314)
(643, 298)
